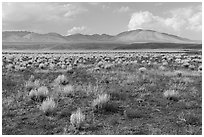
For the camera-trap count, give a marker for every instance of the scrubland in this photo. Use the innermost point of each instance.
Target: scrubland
(102, 93)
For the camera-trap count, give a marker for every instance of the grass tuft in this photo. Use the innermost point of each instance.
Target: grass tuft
(48, 106)
(100, 100)
(171, 95)
(77, 119)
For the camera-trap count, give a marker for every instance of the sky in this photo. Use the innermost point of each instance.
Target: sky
(178, 18)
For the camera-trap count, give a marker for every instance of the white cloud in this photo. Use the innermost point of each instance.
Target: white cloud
(94, 3)
(180, 19)
(122, 9)
(73, 10)
(195, 22)
(158, 4)
(105, 7)
(75, 30)
(32, 15)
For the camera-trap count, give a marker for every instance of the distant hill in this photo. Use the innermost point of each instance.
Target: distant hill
(147, 36)
(126, 40)
(12, 36)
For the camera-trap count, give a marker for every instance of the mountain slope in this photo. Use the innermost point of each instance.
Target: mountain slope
(134, 39)
(149, 36)
(134, 36)
(13, 36)
(87, 38)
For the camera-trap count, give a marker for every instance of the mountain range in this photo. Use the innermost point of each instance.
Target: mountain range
(126, 40)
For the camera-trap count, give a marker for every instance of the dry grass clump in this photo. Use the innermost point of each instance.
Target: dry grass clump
(108, 66)
(131, 78)
(32, 78)
(9, 66)
(61, 79)
(162, 68)
(33, 93)
(7, 102)
(77, 119)
(48, 105)
(90, 89)
(43, 91)
(68, 89)
(171, 95)
(102, 104)
(178, 73)
(191, 67)
(186, 80)
(31, 84)
(200, 68)
(142, 70)
(100, 100)
(39, 94)
(42, 66)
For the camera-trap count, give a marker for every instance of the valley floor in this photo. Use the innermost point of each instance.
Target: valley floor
(137, 105)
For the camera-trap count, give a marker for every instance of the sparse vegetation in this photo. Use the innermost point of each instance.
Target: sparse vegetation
(68, 89)
(171, 94)
(77, 119)
(101, 100)
(61, 79)
(48, 106)
(118, 93)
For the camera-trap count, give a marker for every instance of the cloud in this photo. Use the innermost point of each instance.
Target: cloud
(105, 6)
(39, 11)
(122, 9)
(75, 30)
(195, 22)
(158, 4)
(31, 15)
(189, 18)
(94, 3)
(73, 10)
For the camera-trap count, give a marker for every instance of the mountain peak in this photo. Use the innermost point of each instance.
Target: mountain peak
(132, 36)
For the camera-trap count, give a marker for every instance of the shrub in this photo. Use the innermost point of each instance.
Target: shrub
(41, 66)
(61, 79)
(51, 66)
(171, 95)
(39, 94)
(110, 107)
(31, 78)
(31, 84)
(68, 89)
(162, 68)
(200, 68)
(77, 119)
(142, 70)
(37, 83)
(191, 67)
(100, 100)
(48, 105)
(10, 66)
(43, 91)
(186, 65)
(33, 94)
(178, 73)
(63, 66)
(108, 66)
(165, 63)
